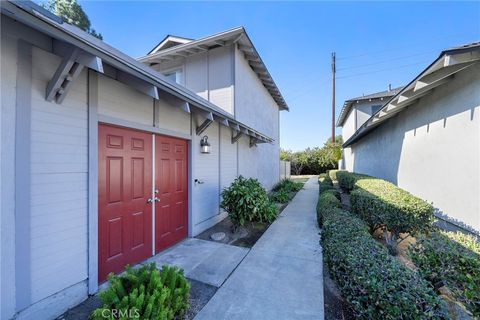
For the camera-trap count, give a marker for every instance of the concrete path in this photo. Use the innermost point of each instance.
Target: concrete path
(281, 277)
(205, 261)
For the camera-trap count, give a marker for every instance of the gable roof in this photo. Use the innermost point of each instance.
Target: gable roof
(236, 36)
(168, 42)
(36, 17)
(439, 72)
(380, 96)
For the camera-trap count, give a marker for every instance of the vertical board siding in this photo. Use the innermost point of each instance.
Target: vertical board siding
(59, 182)
(228, 158)
(123, 102)
(196, 74)
(220, 78)
(205, 197)
(7, 174)
(255, 107)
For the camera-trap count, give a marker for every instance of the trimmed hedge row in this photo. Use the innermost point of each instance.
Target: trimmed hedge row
(333, 174)
(381, 204)
(454, 260)
(374, 284)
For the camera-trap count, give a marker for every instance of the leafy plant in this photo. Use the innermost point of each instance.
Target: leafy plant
(346, 180)
(333, 174)
(454, 259)
(246, 200)
(281, 196)
(375, 285)
(288, 185)
(144, 293)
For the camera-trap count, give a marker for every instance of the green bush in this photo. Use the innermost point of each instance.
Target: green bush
(145, 293)
(454, 259)
(327, 203)
(246, 200)
(375, 285)
(346, 180)
(288, 185)
(333, 174)
(281, 196)
(381, 204)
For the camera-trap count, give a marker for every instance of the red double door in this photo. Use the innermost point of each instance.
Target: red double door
(127, 192)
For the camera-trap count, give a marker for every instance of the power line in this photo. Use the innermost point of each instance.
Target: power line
(381, 70)
(385, 61)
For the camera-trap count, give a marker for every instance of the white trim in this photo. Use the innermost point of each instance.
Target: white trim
(92, 88)
(23, 109)
(142, 127)
(153, 194)
(56, 304)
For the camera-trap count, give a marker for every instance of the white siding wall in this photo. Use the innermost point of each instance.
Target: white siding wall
(205, 197)
(220, 78)
(118, 100)
(59, 183)
(432, 149)
(255, 107)
(7, 175)
(173, 118)
(228, 158)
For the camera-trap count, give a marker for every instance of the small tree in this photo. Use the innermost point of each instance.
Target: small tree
(72, 13)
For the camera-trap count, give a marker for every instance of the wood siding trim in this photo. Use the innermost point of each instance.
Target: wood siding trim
(92, 181)
(22, 176)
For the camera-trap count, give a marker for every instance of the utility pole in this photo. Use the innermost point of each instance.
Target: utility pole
(333, 97)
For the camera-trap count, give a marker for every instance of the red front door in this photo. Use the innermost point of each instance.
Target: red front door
(124, 186)
(171, 184)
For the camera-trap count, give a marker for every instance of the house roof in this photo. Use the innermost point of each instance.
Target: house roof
(347, 106)
(236, 36)
(168, 42)
(439, 72)
(38, 18)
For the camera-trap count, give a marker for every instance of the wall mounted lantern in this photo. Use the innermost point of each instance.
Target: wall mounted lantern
(204, 145)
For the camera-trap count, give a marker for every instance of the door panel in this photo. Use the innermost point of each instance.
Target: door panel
(124, 185)
(171, 182)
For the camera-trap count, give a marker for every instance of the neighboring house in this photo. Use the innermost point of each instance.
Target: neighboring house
(357, 111)
(426, 138)
(101, 155)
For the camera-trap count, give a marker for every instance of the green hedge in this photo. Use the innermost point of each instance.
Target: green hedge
(346, 180)
(381, 204)
(327, 203)
(333, 174)
(375, 285)
(454, 259)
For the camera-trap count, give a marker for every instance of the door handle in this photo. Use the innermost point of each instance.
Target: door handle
(150, 200)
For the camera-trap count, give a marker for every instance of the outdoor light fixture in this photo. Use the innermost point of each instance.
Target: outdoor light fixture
(204, 145)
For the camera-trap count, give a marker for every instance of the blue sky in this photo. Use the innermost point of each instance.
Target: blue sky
(377, 43)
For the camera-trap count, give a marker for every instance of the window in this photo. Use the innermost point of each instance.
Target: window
(375, 108)
(175, 75)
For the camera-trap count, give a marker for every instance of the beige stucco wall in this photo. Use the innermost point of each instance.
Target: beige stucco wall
(432, 149)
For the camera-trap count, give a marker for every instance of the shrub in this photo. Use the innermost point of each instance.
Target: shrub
(145, 293)
(327, 203)
(454, 259)
(346, 180)
(374, 284)
(333, 174)
(325, 183)
(381, 204)
(288, 185)
(246, 200)
(281, 196)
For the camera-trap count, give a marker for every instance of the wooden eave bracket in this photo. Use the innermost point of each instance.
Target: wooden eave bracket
(73, 61)
(205, 124)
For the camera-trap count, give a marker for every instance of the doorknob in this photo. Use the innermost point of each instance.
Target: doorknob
(156, 199)
(149, 200)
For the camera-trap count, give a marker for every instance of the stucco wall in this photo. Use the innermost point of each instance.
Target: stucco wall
(432, 149)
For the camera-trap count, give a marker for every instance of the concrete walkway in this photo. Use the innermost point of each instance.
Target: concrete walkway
(281, 277)
(205, 261)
